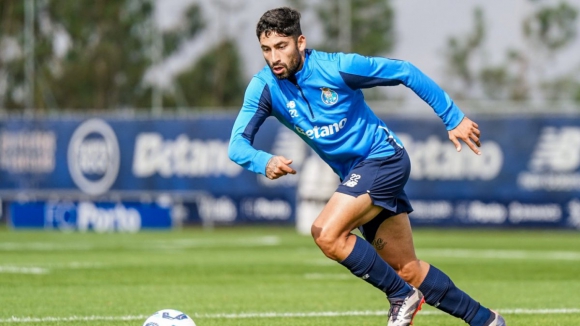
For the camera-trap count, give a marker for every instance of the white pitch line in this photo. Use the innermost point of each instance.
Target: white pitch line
(263, 241)
(68, 319)
(37, 270)
(177, 244)
(23, 270)
(501, 254)
(519, 311)
(374, 313)
(328, 276)
(44, 246)
(78, 265)
(272, 240)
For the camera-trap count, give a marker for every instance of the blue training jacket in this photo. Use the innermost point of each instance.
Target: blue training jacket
(325, 106)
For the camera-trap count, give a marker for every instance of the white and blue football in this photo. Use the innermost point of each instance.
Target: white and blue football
(169, 317)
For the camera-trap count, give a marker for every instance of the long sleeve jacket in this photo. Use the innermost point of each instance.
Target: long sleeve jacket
(323, 104)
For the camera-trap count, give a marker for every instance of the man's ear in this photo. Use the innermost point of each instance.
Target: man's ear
(301, 43)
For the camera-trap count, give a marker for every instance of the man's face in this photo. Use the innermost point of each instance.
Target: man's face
(283, 54)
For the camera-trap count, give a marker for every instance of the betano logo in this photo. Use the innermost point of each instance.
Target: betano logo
(181, 157)
(433, 159)
(324, 131)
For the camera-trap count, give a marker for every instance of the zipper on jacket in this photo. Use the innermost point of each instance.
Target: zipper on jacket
(293, 80)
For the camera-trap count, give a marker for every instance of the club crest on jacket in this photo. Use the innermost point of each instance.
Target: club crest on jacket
(329, 96)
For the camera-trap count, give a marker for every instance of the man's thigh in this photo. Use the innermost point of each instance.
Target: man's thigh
(371, 186)
(394, 241)
(343, 213)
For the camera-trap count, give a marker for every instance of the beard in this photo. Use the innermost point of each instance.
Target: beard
(290, 69)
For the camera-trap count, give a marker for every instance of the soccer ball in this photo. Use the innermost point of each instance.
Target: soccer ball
(169, 317)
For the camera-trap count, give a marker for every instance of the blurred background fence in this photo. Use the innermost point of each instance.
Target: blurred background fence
(115, 115)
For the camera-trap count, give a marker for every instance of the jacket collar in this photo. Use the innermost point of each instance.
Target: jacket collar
(306, 70)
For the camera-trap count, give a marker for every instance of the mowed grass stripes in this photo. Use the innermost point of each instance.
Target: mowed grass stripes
(270, 276)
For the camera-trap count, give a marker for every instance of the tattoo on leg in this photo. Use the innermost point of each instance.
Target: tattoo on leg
(379, 244)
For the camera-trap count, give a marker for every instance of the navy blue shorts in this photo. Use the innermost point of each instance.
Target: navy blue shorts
(383, 179)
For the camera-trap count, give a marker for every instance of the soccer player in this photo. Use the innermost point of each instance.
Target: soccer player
(318, 96)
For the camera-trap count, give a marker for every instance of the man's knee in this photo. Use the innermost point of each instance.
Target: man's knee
(327, 242)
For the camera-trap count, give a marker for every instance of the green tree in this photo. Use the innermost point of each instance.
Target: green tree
(214, 81)
(105, 48)
(547, 30)
(461, 53)
(565, 87)
(192, 25)
(508, 80)
(369, 29)
(361, 26)
(552, 27)
(98, 65)
(474, 77)
(166, 44)
(216, 78)
(12, 79)
(108, 54)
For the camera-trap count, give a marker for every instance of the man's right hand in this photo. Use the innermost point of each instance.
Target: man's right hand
(278, 166)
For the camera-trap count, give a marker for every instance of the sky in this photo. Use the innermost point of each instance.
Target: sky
(423, 29)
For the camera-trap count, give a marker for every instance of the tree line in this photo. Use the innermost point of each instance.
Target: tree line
(86, 56)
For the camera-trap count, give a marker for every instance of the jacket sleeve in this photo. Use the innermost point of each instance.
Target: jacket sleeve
(256, 108)
(363, 72)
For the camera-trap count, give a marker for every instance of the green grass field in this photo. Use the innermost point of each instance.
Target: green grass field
(270, 276)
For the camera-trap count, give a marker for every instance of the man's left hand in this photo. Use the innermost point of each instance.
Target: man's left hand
(468, 131)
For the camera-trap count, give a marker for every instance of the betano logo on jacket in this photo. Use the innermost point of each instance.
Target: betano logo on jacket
(324, 131)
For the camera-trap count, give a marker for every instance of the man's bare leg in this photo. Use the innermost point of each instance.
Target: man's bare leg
(394, 243)
(332, 233)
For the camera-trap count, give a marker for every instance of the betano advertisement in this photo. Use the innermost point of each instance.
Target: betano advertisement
(112, 174)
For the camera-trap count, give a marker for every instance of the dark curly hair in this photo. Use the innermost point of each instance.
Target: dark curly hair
(283, 21)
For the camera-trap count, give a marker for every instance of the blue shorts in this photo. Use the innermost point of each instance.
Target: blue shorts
(383, 179)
